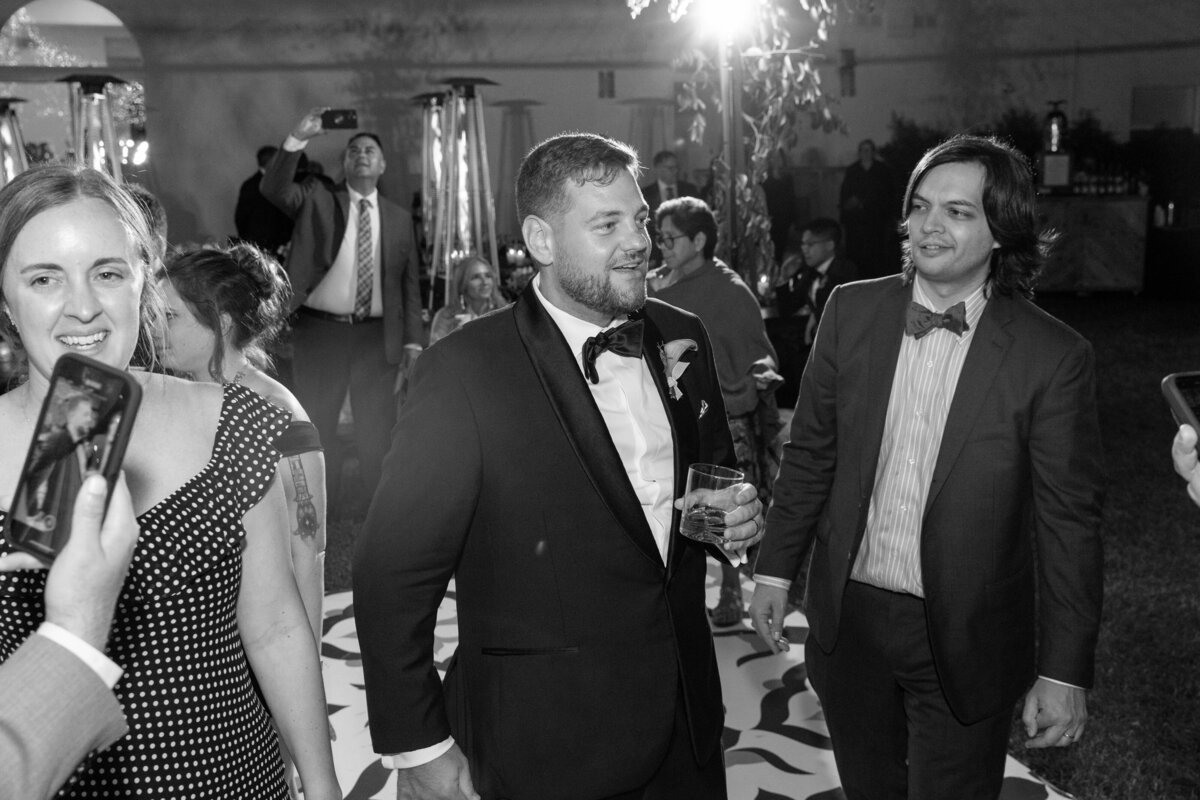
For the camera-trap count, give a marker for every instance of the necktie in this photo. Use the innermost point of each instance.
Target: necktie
(364, 262)
(920, 320)
(624, 340)
(668, 193)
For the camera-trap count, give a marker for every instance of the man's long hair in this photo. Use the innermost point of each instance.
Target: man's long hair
(1008, 204)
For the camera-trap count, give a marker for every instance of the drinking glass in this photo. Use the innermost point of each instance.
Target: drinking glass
(710, 492)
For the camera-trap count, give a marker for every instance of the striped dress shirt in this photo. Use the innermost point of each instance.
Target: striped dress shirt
(927, 372)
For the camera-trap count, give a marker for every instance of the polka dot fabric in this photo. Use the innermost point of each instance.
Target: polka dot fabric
(197, 728)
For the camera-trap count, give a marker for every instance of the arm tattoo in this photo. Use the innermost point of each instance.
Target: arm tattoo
(306, 513)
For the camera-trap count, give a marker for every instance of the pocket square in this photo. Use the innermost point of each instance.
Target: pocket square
(703, 408)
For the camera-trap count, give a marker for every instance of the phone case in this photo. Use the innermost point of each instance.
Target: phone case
(84, 426)
(1182, 391)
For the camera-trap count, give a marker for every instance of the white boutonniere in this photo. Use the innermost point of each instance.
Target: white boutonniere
(676, 355)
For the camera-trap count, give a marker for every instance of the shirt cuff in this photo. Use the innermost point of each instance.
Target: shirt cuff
(414, 346)
(775, 583)
(1062, 683)
(99, 663)
(292, 144)
(415, 758)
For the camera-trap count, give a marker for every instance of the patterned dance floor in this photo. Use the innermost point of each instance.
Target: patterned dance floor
(776, 744)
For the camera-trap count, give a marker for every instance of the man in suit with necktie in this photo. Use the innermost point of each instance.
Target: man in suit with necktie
(665, 186)
(357, 304)
(944, 462)
(813, 275)
(56, 700)
(539, 460)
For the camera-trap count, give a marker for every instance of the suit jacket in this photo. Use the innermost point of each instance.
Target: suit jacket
(576, 642)
(1014, 500)
(320, 213)
(794, 294)
(654, 198)
(54, 710)
(258, 220)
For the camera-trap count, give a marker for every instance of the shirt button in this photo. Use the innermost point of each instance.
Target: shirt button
(904, 508)
(929, 363)
(912, 461)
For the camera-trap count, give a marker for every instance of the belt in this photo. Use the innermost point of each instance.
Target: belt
(347, 319)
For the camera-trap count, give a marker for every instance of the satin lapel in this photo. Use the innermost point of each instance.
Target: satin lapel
(988, 348)
(684, 429)
(887, 331)
(581, 420)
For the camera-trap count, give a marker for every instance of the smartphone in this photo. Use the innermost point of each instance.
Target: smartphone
(339, 118)
(1182, 390)
(83, 427)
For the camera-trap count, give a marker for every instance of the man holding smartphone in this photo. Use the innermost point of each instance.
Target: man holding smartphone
(353, 267)
(1183, 453)
(56, 703)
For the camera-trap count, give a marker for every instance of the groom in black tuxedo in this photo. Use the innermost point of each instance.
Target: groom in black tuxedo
(538, 461)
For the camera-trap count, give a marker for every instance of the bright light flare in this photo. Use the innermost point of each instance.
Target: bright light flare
(725, 19)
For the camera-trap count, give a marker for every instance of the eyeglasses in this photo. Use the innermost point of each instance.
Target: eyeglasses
(813, 242)
(668, 241)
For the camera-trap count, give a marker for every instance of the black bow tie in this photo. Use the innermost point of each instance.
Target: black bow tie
(920, 320)
(624, 340)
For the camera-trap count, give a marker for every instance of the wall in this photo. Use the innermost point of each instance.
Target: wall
(225, 76)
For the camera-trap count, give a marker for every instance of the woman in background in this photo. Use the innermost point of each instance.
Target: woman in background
(224, 307)
(76, 276)
(474, 291)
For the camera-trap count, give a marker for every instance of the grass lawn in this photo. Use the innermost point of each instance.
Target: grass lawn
(1143, 739)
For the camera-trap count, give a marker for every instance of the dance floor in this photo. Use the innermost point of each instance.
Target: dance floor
(776, 744)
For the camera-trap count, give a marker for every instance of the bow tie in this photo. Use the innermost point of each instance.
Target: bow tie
(624, 340)
(920, 320)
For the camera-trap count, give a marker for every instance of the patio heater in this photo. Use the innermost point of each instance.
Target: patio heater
(92, 131)
(455, 168)
(13, 158)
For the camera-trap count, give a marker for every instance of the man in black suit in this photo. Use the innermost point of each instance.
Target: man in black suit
(256, 218)
(353, 268)
(944, 462)
(666, 186)
(811, 277)
(539, 460)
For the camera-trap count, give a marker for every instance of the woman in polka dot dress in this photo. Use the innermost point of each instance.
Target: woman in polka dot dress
(74, 277)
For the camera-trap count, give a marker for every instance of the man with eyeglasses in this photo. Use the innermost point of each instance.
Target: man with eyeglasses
(746, 365)
(811, 277)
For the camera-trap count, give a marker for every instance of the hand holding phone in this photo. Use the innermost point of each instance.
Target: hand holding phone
(83, 427)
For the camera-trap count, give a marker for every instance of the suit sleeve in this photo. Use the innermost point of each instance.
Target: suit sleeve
(278, 182)
(408, 550)
(809, 458)
(1067, 474)
(414, 330)
(54, 710)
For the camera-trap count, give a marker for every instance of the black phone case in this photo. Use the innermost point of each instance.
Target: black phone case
(39, 517)
(339, 119)
(1182, 390)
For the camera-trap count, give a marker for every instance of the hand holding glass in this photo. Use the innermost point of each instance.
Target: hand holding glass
(711, 491)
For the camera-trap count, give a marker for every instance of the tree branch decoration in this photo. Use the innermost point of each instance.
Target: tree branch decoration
(780, 92)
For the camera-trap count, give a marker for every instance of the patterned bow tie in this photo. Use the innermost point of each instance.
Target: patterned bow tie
(920, 320)
(624, 340)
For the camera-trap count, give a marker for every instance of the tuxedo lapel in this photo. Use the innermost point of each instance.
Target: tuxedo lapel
(581, 421)
(682, 417)
(988, 348)
(887, 331)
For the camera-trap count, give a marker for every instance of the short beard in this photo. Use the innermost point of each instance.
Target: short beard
(598, 293)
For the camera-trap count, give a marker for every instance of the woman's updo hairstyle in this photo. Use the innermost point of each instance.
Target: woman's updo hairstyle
(239, 280)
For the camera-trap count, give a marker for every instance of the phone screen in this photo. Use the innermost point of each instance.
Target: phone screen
(339, 119)
(83, 427)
